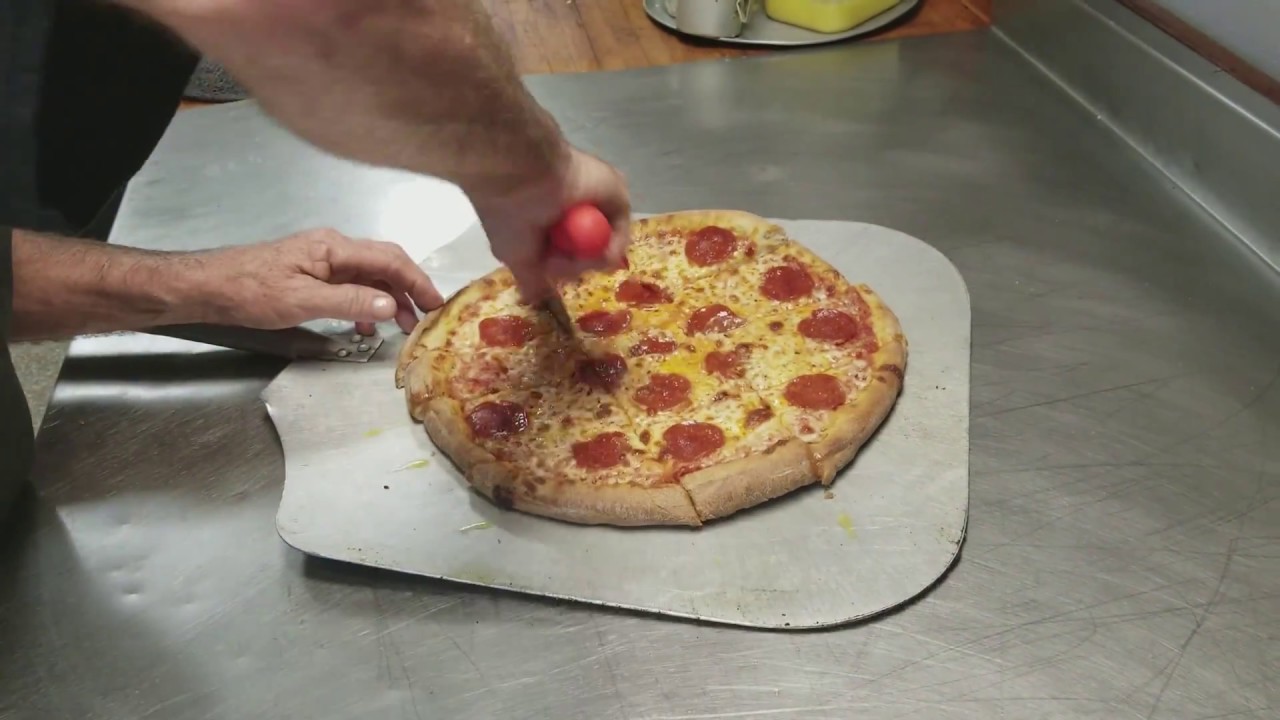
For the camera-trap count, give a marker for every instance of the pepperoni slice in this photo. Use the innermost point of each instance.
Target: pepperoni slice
(710, 245)
(652, 345)
(506, 331)
(498, 420)
(713, 319)
(786, 282)
(601, 452)
(603, 323)
(690, 440)
(602, 373)
(815, 392)
(641, 292)
(663, 392)
(759, 415)
(725, 364)
(834, 326)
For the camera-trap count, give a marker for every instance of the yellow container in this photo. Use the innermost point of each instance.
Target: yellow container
(826, 16)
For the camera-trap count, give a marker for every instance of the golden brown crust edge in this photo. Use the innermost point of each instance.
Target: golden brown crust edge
(689, 219)
(414, 369)
(506, 487)
(619, 505)
(726, 488)
(442, 419)
(410, 350)
(855, 423)
(432, 330)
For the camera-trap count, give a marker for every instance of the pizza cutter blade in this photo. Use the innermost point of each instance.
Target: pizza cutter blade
(559, 312)
(337, 343)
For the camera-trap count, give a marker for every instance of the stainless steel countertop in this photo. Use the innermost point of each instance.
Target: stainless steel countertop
(1123, 557)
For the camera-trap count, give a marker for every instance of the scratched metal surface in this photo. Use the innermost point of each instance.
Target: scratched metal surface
(364, 484)
(1122, 559)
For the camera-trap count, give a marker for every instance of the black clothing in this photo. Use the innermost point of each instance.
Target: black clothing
(86, 90)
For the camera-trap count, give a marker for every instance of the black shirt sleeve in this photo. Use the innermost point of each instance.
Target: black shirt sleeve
(89, 88)
(86, 91)
(16, 437)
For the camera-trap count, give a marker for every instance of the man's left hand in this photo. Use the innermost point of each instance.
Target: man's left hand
(315, 274)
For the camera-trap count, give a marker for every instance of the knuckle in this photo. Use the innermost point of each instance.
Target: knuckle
(393, 251)
(355, 301)
(327, 237)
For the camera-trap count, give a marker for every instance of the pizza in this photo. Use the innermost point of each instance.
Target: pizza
(724, 366)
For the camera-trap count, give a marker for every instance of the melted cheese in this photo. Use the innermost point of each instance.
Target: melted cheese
(559, 417)
(813, 426)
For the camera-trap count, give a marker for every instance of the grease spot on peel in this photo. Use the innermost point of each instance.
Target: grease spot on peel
(484, 525)
(375, 432)
(846, 522)
(415, 465)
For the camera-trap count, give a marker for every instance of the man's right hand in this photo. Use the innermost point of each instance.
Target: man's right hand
(426, 87)
(518, 222)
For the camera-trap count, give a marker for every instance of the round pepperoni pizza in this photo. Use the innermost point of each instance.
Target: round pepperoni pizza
(724, 366)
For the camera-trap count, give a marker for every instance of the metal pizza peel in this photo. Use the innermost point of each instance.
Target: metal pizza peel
(323, 340)
(340, 344)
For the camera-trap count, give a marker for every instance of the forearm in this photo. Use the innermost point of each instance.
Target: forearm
(64, 287)
(426, 86)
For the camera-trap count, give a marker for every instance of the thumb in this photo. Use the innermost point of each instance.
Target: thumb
(355, 303)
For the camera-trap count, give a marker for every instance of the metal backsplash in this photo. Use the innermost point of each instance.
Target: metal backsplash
(1215, 139)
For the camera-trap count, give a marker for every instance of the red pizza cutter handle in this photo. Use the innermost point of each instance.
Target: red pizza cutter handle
(581, 233)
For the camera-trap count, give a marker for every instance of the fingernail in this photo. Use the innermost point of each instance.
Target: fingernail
(384, 307)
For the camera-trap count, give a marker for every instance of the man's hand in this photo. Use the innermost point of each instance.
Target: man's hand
(64, 287)
(315, 274)
(517, 223)
(423, 86)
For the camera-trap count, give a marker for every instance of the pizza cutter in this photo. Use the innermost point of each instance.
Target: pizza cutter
(582, 233)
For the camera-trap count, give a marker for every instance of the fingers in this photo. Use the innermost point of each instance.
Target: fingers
(606, 186)
(388, 263)
(616, 255)
(406, 318)
(559, 267)
(360, 304)
(531, 279)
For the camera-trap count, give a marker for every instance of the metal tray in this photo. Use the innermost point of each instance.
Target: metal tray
(364, 484)
(762, 30)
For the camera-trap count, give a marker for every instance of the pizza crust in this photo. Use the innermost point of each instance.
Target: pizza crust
(623, 505)
(419, 385)
(442, 419)
(745, 223)
(414, 361)
(507, 487)
(853, 424)
(724, 489)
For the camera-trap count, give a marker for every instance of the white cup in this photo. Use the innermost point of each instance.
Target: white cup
(711, 18)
